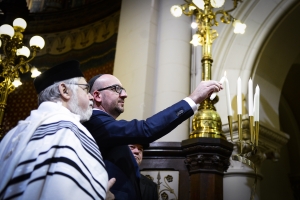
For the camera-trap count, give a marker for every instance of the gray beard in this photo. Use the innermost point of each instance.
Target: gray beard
(84, 114)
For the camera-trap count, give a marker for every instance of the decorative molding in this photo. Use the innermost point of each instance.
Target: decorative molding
(80, 38)
(207, 148)
(207, 162)
(207, 155)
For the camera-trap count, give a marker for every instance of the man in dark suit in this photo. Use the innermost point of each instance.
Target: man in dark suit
(113, 136)
(148, 187)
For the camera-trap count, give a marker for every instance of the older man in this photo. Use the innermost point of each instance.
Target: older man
(50, 155)
(147, 186)
(113, 136)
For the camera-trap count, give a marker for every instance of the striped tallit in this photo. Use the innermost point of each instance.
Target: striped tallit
(50, 155)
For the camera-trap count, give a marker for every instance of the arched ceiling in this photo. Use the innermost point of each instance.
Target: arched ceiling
(279, 62)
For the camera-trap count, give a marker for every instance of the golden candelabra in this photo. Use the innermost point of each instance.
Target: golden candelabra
(207, 122)
(14, 59)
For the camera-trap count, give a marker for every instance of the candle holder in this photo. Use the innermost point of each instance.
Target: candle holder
(251, 131)
(230, 127)
(240, 130)
(247, 148)
(256, 133)
(249, 153)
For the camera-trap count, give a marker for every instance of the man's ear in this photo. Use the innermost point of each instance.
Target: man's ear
(64, 91)
(97, 96)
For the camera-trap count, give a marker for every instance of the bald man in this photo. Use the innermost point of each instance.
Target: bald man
(113, 135)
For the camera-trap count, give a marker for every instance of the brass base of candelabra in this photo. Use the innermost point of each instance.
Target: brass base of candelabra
(207, 122)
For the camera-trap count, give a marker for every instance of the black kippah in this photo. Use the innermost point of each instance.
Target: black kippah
(92, 80)
(145, 145)
(60, 72)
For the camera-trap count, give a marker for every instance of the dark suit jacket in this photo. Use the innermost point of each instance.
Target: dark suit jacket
(113, 137)
(148, 189)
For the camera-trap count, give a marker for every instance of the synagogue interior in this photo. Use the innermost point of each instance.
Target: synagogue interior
(224, 151)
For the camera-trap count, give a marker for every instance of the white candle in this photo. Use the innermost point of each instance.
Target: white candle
(256, 100)
(254, 106)
(213, 95)
(229, 110)
(239, 96)
(250, 97)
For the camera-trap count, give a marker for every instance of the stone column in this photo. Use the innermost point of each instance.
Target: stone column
(152, 59)
(173, 63)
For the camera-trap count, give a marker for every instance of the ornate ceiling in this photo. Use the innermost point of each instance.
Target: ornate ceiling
(57, 20)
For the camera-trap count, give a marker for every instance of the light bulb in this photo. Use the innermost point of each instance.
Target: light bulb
(239, 28)
(37, 41)
(20, 23)
(194, 25)
(6, 29)
(24, 51)
(195, 40)
(34, 72)
(17, 82)
(199, 4)
(217, 3)
(176, 11)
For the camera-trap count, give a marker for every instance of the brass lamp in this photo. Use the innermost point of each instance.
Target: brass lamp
(207, 122)
(14, 59)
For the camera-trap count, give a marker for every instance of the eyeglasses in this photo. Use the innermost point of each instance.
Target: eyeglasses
(116, 88)
(86, 88)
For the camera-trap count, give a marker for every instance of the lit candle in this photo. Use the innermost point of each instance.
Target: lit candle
(256, 103)
(250, 97)
(213, 95)
(229, 110)
(239, 96)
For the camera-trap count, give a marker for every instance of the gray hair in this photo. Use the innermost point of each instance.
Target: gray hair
(52, 93)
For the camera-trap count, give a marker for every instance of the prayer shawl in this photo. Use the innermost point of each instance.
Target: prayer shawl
(50, 155)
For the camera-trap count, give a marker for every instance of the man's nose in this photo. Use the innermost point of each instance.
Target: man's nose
(123, 94)
(135, 150)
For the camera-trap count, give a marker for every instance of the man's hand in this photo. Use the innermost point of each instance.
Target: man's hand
(109, 195)
(204, 90)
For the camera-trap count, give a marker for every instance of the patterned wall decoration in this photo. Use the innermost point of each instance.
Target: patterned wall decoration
(81, 38)
(36, 6)
(93, 45)
(167, 183)
(19, 105)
